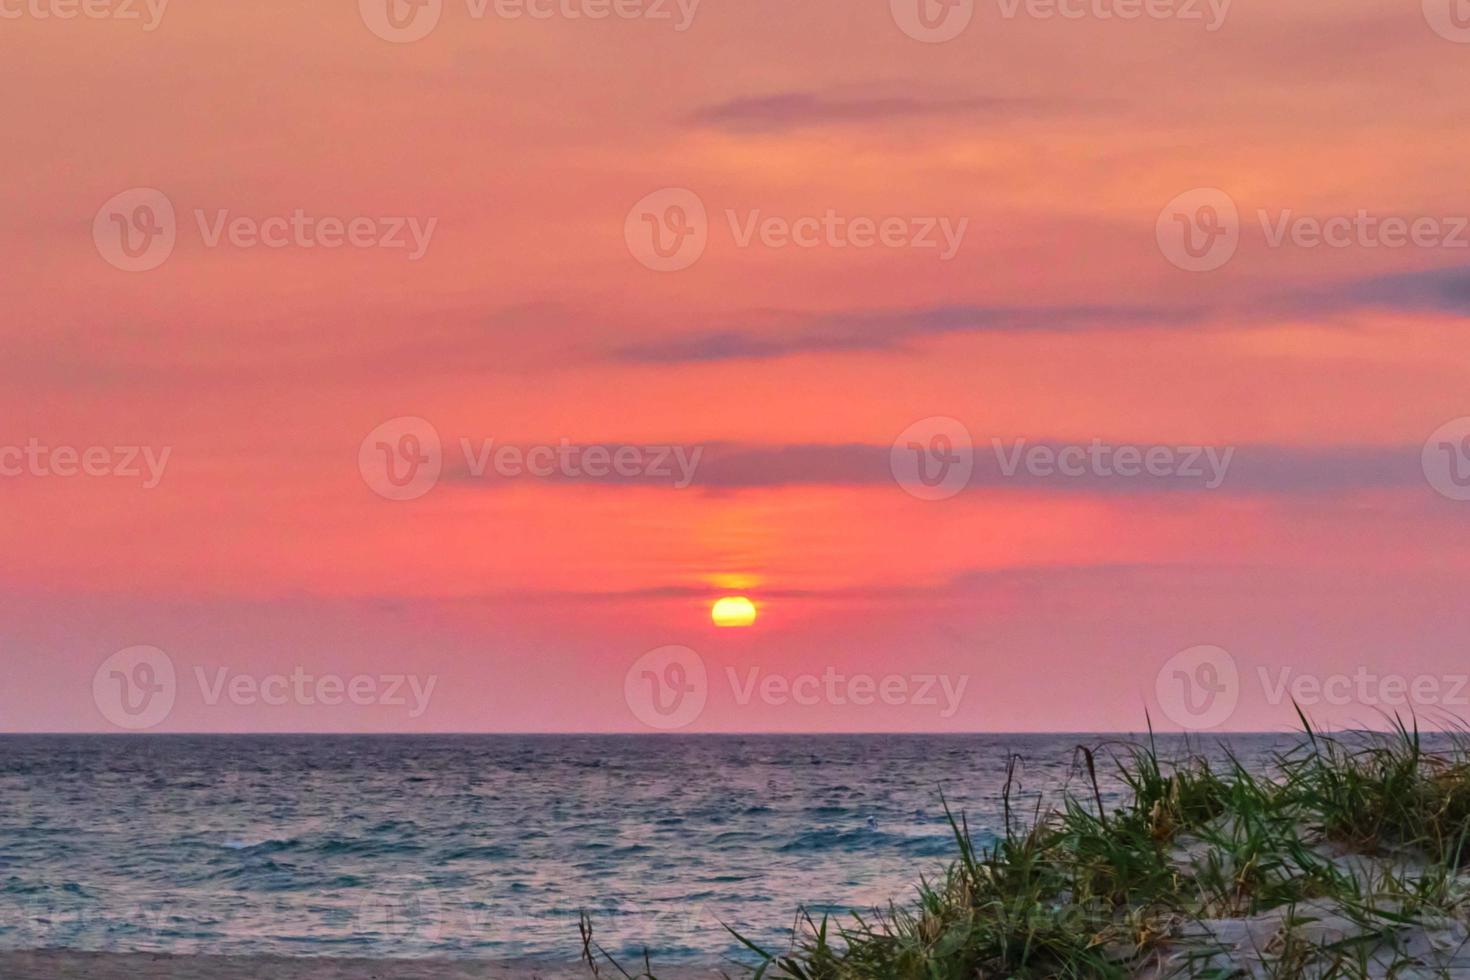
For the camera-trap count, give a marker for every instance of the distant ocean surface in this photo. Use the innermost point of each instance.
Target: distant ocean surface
(486, 846)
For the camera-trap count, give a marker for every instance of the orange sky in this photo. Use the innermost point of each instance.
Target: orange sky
(530, 320)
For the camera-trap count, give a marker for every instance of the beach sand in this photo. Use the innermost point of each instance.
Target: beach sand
(66, 965)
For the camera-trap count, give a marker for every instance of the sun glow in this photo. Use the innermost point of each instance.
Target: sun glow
(733, 610)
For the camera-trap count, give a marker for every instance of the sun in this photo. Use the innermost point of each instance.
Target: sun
(733, 610)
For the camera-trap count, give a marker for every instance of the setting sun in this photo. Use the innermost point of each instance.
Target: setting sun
(733, 610)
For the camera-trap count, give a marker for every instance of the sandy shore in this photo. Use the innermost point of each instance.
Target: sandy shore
(59, 965)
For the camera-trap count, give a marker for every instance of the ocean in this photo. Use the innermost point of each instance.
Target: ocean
(488, 846)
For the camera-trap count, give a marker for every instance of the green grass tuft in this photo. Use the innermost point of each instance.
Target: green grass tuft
(1342, 859)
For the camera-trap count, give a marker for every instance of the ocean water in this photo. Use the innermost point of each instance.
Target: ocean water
(487, 846)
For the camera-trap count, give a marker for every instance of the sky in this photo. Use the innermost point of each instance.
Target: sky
(434, 367)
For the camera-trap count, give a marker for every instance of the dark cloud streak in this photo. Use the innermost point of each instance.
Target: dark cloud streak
(1444, 291)
(787, 110)
(890, 330)
(1250, 470)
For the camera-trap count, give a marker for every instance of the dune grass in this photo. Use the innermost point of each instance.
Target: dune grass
(1342, 858)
